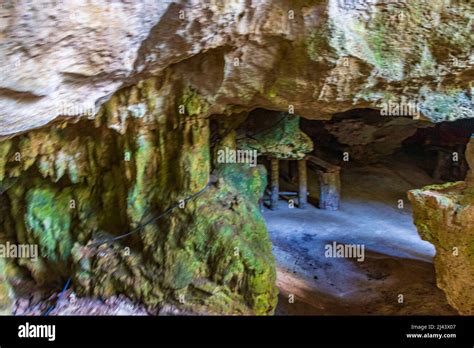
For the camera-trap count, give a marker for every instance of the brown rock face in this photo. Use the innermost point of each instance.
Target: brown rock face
(470, 161)
(148, 75)
(370, 137)
(444, 216)
(321, 57)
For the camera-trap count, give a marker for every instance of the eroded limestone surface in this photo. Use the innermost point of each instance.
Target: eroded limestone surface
(444, 216)
(104, 111)
(283, 139)
(78, 184)
(326, 56)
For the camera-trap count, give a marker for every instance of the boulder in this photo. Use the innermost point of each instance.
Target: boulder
(444, 216)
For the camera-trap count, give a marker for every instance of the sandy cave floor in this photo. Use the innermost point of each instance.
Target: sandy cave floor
(396, 261)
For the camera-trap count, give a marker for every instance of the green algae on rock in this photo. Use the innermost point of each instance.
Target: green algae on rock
(282, 140)
(210, 255)
(48, 220)
(147, 147)
(6, 298)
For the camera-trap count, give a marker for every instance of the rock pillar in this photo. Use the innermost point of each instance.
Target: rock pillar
(274, 186)
(302, 184)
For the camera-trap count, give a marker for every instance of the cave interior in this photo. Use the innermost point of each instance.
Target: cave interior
(358, 170)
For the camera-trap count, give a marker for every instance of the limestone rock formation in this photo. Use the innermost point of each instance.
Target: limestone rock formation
(369, 139)
(282, 139)
(6, 298)
(79, 185)
(66, 59)
(444, 216)
(104, 119)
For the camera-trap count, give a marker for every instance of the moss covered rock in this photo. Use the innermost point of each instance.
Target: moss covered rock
(282, 139)
(6, 298)
(208, 254)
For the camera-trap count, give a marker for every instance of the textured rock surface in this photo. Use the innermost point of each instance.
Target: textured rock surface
(444, 216)
(83, 183)
(369, 137)
(64, 59)
(281, 138)
(470, 161)
(147, 74)
(6, 303)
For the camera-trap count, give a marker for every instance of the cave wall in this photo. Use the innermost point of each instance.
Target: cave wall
(321, 57)
(108, 79)
(77, 184)
(365, 134)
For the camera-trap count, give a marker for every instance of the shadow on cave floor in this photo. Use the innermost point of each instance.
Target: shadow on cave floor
(396, 261)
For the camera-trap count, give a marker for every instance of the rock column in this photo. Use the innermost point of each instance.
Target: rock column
(275, 187)
(302, 184)
(330, 189)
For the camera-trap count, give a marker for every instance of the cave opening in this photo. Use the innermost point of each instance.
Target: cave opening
(343, 238)
(237, 158)
(372, 162)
